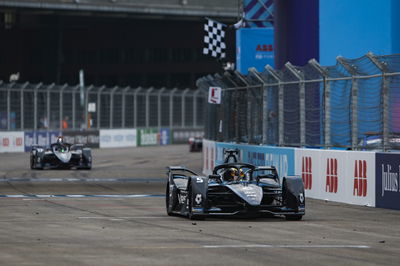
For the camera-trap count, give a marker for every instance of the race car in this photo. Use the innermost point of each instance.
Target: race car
(61, 155)
(195, 144)
(234, 189)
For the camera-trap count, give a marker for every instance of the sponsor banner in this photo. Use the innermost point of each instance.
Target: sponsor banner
(209, 153)
(89, 138)
(112, 138)
(180, 136)
(255, 48)
(147, 136)
(281, 158)
(340, 176)
(12, 141)
(165, 135)
(387, 180)
(43, 138)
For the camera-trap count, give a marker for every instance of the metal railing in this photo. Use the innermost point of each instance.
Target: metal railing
(41, 107)
(354, 104)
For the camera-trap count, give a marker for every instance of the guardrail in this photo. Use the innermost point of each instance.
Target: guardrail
(353, 177)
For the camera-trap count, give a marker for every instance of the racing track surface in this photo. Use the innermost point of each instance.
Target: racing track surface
(126, 223)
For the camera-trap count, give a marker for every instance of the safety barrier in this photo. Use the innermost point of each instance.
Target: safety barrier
(352, 177)
(20, 141)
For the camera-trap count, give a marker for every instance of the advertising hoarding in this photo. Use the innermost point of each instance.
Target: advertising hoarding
(255, 48)
(387, 180)
(147, 136)
(12, 141)
(112, 138)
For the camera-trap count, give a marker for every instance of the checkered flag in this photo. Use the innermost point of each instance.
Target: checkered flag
(214, 39)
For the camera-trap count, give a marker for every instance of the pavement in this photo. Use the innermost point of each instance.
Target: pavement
(115, 215)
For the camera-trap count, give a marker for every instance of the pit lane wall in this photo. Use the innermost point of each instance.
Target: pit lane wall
(352, 177)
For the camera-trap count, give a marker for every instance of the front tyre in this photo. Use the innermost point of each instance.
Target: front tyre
(168, 199)
(191, 215)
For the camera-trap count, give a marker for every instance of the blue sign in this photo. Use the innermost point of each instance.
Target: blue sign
(387, 167)
(281, 158)
(255, 48)
(165, 136)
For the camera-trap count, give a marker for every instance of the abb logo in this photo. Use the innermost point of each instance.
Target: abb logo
(6, 142)
(331, 175)
(306, 172)
(360, 178)
(264, 48)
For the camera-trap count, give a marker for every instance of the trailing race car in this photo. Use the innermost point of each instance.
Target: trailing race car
(61, 155)
(234, 189)
(195, 144)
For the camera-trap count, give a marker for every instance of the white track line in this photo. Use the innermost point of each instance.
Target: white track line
(286, 246)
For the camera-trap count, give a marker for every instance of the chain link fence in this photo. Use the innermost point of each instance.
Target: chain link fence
(42, 107)
(354, 104)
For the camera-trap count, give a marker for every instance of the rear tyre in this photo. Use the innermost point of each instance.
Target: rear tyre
(295, 217)
(32, 161)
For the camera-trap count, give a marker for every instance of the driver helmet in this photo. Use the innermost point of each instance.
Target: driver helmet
(234, 174)
(60, 139)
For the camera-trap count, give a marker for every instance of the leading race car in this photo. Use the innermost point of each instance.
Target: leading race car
(61, 155)
(234, 188)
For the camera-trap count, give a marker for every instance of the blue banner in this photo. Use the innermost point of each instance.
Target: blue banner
(165, 136)
(43, 138)
(387, 169)
(281, 158)
(255, 48)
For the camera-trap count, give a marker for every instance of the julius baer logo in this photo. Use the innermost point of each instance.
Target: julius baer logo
(390, 179)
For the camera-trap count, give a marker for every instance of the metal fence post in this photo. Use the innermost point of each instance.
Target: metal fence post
(302, 103)
(195, 97)
(354, 101)
(171, 108)
(248, 114)
(124, 106)
(86, 106)
(280, 103)
(74, 106)
(9, 105)
(35, 105)
(99, 104)
(183, 107)
(327, 102)
(265, 105)
(159, 107)
(135, 116)
(385, 98)
(61, 104)
(22, 106)
(48, 104)
(112, 106)
(148, 106)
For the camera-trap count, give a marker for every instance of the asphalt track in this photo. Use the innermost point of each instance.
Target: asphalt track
(115, 215)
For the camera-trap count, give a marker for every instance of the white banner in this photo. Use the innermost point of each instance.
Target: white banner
(12, 141)
(113, 138)
(209, 155)
(342, 176)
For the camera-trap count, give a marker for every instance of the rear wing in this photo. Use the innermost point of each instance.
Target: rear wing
(179, 168)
